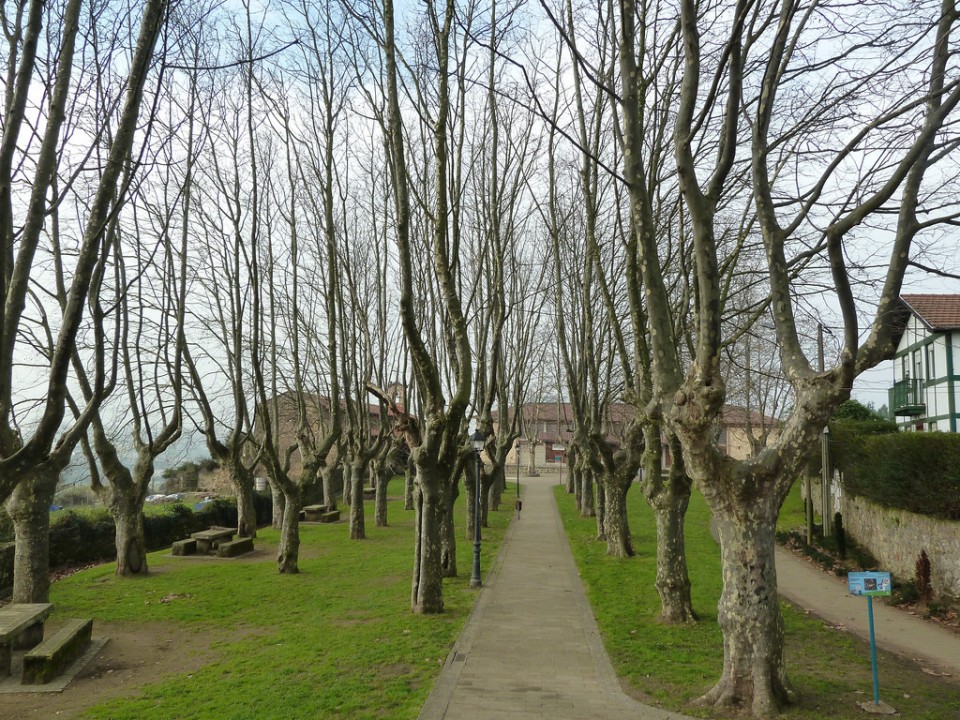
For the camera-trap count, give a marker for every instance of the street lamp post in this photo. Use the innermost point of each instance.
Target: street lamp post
(518, 468)
(477, 440)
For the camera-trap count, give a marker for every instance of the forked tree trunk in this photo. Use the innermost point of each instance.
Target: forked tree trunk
(601, 511)
(126, 508)
(288, 552)
(358, 476)
(449, 539)
(754, 673)
(29, 509)
(587, 505)
(428, 503)
(617, 529)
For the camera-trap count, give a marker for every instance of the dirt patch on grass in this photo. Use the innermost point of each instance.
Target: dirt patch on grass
(137, 653)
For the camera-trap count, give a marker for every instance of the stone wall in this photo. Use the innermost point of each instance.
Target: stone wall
(896, 537)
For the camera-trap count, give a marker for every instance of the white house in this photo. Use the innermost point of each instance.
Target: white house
(926, 392)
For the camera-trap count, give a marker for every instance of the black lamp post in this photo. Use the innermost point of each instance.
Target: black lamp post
(478, 439)
(518, 468)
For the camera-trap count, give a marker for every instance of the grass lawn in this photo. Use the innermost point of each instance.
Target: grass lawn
(337, 640)
(671, 666)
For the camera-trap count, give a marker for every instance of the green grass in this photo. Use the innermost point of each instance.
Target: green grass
(336, 640)
(671, 666)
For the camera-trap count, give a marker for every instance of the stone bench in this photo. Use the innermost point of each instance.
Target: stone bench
(208, 540)
(235, 547)
(21, 624)
(369, 493)
(313, 513)
(184, 547)
(330, 517)
(56, 653)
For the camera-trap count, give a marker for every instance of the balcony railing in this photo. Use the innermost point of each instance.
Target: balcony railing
(907, 397)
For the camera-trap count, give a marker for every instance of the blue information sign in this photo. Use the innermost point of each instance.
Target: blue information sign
(869, 583)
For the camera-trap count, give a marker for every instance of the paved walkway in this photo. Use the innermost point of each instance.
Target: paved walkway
(826, 596)
(531, 648)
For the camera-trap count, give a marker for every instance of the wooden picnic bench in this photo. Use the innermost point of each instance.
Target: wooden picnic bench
(21, 625)
(209, 540)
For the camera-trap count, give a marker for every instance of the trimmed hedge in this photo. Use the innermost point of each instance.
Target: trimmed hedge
(845, 436)
(78, 538)
(917, 472)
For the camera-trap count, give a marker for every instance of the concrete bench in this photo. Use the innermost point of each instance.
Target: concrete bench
(313, 513)
(208, 540)
(21, 625)
(369, 493)
(330, 517)
(56, 653)
(184, 547)
(235, 547)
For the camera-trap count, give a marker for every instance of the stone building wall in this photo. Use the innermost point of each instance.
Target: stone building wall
(896, 537)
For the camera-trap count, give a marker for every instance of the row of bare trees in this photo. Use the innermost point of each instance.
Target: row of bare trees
(321, 232)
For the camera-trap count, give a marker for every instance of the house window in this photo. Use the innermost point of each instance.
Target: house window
(917, 365)
(904, 368)
(931, 370)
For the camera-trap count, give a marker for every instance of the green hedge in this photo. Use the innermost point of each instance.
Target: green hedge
(918, 472)
(845, 436)
(77, 538)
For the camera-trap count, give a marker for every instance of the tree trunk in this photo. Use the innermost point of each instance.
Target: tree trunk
(330, 476)
(126, 508)
(601, 511)
(497, 483)
(619, 543)
(29, 509)
(449, 537)
(587, 506)
(754, 673)
(382, 478)
(288, 553)
(347, 483)
(673, 581)
(408, 483)
(571, 475)
(279, 503)
(358, 476)
(246, 509)
(427, 591)
(578, 487)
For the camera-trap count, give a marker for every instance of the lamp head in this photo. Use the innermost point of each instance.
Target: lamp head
(478, 440)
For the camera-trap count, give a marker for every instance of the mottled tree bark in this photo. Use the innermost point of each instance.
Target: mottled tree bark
(449, 535)
(330, 475)
(427, 589)
(408, 483)
(126, 508)
(587, 504)
(619, 542)
(381, 478)
(289, 550)
(754, 672)
(279, 503)
(601, 512)
(347, 469)
(29, 509)
(358, 476)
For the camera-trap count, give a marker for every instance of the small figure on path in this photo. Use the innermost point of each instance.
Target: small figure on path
(518, 504)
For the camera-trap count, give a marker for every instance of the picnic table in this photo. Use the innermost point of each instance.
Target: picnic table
(21, 625)
(209, 540)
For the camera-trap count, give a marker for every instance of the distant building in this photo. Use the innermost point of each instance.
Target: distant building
(547, 431)
(925, 388)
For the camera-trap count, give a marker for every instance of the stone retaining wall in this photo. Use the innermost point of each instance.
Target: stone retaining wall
(896, 537)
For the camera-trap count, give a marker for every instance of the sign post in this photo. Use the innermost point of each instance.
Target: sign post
(870, 585)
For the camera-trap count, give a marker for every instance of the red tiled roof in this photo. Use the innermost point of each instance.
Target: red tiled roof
(938, 312)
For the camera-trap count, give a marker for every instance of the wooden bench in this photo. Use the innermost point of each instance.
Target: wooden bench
(56, 653)
(209, 540)
(184, 547)
(21, 624)
(235, 547)
(313, 513)
(330, 517)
